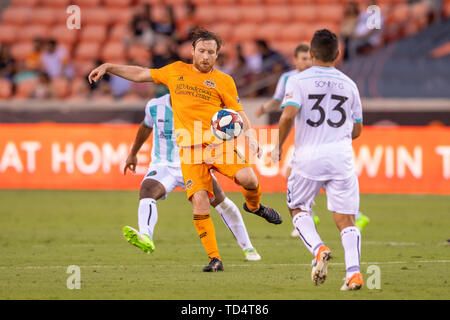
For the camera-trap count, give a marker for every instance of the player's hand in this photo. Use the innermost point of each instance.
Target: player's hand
(275, 155)
(254, 146)
(259, 112)
(97, 74)
(130, 164)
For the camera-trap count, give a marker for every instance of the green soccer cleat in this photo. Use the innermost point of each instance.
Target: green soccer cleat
(251, 254)
(142, 241)
(362, 222)
(316, 219)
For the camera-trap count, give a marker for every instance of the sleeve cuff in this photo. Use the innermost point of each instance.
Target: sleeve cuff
(290, 104)
(358, 120)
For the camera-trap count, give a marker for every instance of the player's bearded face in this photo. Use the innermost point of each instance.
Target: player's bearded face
(204, 55)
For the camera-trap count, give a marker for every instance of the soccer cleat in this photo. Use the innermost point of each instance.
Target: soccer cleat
(354, 283)
(271, 215)
(251, 254)
(316, 219)
(142, 241)
(214, 265)
(362, 222)
(320, 265)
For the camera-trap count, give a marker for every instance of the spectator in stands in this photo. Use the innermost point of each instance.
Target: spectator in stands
(33, 60)
(8, 66)
(54, 59)
(164, 53)
(348, 24)
(43, 89)
(223, 64)
(270, 57)
(167, 27)
(142, 27)
(188, 24)
(365, 38)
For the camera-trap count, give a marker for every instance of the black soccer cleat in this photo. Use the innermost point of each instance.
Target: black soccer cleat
(271, 215)
(213, 266)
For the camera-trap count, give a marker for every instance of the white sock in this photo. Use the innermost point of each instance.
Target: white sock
(351, 241)
(232, 218)
(147, 216)
(305, 226)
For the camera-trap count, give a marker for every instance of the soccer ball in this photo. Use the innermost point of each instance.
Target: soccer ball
(226, 124)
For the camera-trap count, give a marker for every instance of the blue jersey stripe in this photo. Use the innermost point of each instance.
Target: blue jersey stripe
(156, 146)
(168, 127)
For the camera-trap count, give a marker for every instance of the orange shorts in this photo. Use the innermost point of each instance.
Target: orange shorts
(196, 163)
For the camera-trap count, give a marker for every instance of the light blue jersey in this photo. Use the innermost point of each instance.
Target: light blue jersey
(159, 116)
(281, 85)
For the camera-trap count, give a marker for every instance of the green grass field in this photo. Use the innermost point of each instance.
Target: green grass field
(43, 232)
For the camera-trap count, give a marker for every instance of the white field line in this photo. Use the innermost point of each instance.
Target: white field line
(249, 264)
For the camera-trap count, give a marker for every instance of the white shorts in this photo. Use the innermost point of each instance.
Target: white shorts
(169, 176)
(342, 195)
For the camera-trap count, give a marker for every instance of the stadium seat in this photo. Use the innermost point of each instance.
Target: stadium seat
(230, 15)
(17, 16)
(120, 16)
(206, 15)
(45, 16)
(61, 34)
(253, 14)
(95, 16)
(113, 51)
(270, 31)
(447, 9)
(25, 88)
(244, 32)
(276, 2)
(96, 33)
(279, 14)
(61, 87)
(139, 54)
(118, 3)
(175, 2)
(201, 3)
(330, 13)
(5, 89)
(8, 33)
(251, 2)
(294, 32)
(185, 51)
(401, 13)
(225, 3)
(30, 32)
(87, 51)
(87, 3)
(304, 14)
(286, 48)
(119, 32)
(55, 3)
(20, 50)
(224, 30)
(24, 3)
(419, 12)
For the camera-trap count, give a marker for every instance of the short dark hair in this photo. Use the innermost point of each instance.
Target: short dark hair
(302, 47)
(324, 45)
(203, 34)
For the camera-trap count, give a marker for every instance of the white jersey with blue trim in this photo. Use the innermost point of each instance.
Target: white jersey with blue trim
(329, 104)
(159, 116)
(280, 90)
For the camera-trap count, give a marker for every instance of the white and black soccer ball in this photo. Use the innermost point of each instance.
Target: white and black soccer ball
(226, 124)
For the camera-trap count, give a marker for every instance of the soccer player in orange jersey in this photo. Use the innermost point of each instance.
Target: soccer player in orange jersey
(198, 91)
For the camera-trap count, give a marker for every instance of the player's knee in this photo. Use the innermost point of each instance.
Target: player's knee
(151, 189)
(344, 220)
(247, 178)
(200, 202)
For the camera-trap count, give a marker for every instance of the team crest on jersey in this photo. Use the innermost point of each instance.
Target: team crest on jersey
(151, 173)
(209, 83)
(181, 78)
(289, 95)
(189, 184)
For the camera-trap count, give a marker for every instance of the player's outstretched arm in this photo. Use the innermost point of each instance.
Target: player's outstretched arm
(269, 106)
(141, 136)
(357, 128)
(285, 126)
(249, 135)
(132, 73)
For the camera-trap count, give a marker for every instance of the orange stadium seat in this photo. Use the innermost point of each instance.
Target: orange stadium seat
(15, 15)
(113, 51)
(8, 33)
(95, 16)
(419, 12)
(294, 32)
(253, 14)
(61, 87)
(87, 51)
(151, 2)
(251, 2)
(24, 89)
(93, 33)
(83, 68)
(200, 3)
(277, 2)
(270, 31)
(224, 30)
(286, 48)
(206, 15)
(185, 51)
(30, 32)
(45, 16)
(5, 89)
(401, 13)
(301, 2)
(120, 16)
(118, 3)
(87, 3)
(230, 15)
(63, 35)
(225, 3)
(447, 9)
(55, 3)
(139, 54)
(303, 14)
(119, 32)
(20, 50)
(279, 14)
(24, 3)
(175, 2)
(244, 32)
(330, 13)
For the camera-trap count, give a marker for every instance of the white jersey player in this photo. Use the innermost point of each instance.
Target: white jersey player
(164, 175)
(326, 108)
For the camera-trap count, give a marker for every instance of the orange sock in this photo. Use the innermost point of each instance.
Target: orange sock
(252, 197)
(207, 234)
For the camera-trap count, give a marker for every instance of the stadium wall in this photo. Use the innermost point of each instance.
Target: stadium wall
(412, 160)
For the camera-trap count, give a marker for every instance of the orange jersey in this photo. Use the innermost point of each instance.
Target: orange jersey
(195, 98)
